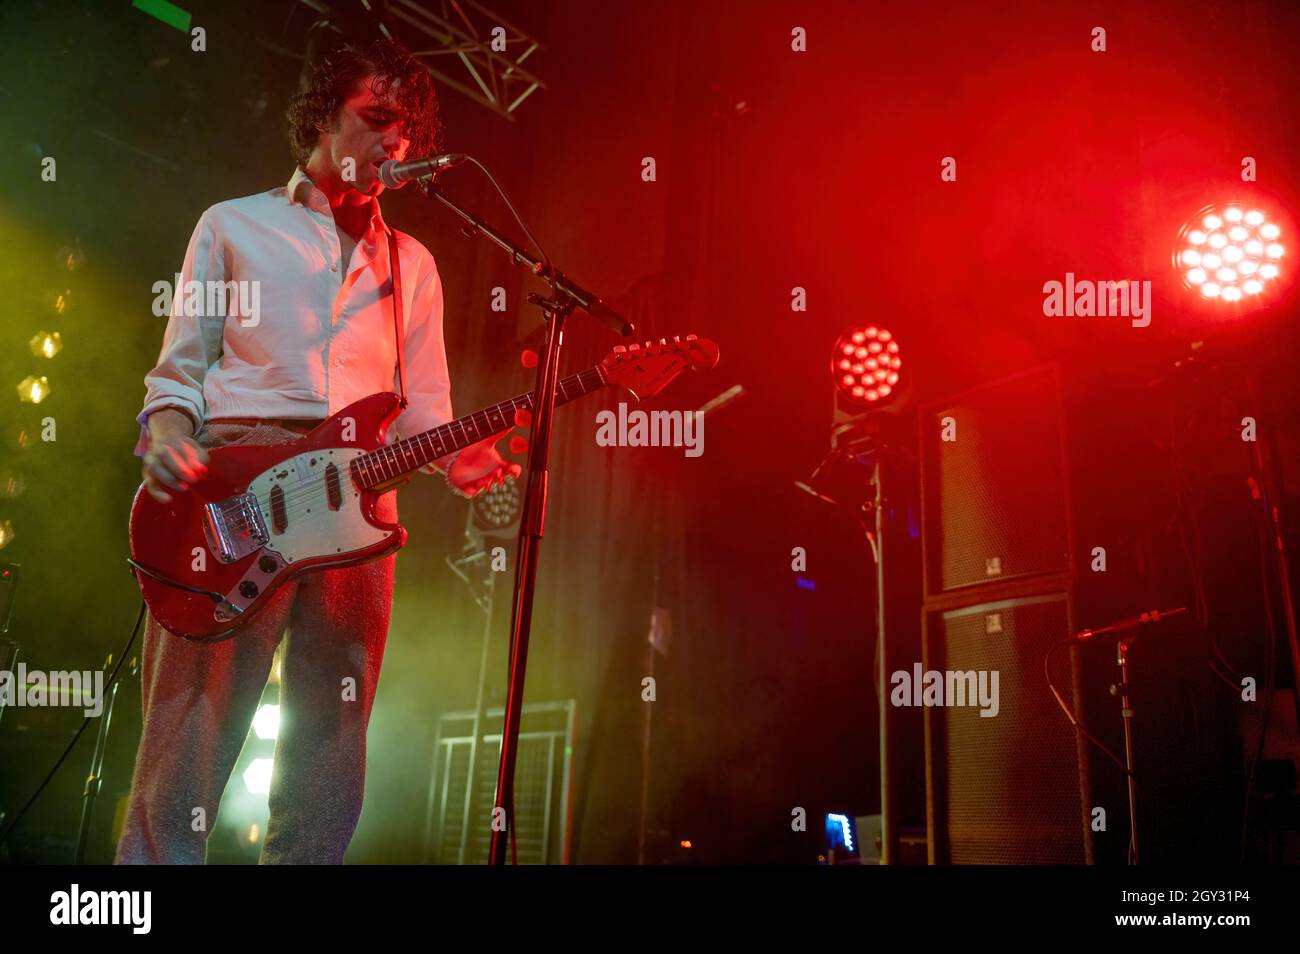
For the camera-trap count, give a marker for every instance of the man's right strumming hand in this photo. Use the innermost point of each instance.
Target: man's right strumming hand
(174, 458)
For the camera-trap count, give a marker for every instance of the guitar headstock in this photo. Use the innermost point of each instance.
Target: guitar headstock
(646, 369)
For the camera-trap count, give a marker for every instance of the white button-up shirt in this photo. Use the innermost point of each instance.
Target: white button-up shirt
(313, 334)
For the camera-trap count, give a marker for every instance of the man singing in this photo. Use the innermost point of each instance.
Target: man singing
(323, 338)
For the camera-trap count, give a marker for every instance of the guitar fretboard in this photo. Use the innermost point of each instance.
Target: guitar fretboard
(402, 457)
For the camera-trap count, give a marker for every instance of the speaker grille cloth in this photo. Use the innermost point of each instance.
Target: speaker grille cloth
(1013, 779)
(1001, 492)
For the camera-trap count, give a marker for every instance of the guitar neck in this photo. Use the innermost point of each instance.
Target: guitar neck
(410, 454)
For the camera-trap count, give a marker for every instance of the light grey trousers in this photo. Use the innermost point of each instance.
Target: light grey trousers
(199, 701)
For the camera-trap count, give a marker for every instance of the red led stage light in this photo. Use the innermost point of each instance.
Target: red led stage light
(1230, 253)
(865, 365)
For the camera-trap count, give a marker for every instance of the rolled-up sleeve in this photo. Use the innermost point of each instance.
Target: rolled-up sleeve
(428, 383)
(191, 344)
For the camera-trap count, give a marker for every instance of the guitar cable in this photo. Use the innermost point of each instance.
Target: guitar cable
(176, 584)
(126, 650)
(213, 595)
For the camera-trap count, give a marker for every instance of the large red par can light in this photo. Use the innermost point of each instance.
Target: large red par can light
(1232, 257)
(866, 366)
(868, 381)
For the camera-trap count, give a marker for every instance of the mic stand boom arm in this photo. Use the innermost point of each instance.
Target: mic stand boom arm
(560, 283)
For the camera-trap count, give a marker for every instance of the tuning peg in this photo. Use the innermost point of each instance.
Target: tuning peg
(692, 337)
(635, 347)
(619, 349)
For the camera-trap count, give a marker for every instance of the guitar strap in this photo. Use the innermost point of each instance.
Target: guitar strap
(395, 266)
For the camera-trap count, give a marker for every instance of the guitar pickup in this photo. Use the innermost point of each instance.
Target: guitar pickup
(234, 527)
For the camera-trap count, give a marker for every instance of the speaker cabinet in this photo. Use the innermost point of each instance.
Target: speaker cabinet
(1049, 511)
(1004, 780)
(994, 483)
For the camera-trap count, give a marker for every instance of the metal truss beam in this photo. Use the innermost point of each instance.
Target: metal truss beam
(454, 40)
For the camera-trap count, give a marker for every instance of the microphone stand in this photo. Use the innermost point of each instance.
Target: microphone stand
(95, 780)
(1126, 712)
(565, 296)
(1127, 630)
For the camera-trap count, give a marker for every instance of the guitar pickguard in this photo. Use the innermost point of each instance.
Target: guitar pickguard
(309, 517)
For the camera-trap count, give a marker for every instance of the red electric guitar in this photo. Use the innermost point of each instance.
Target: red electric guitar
(209, 560)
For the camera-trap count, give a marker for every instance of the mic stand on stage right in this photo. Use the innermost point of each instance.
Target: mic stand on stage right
(1126, 712)
(1126, 630)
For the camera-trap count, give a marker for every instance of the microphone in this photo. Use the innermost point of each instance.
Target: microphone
(394, 174)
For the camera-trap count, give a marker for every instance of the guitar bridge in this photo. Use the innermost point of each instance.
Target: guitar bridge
(235, 527)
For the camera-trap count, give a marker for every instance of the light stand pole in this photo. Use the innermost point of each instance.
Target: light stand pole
(485, 601)
(857, 446)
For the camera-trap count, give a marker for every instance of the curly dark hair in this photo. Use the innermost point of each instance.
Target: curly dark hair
(337, 77)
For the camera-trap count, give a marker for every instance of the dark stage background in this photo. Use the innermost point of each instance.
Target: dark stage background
(775, 169)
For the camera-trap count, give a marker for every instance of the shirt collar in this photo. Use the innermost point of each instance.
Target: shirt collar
(303, 191)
